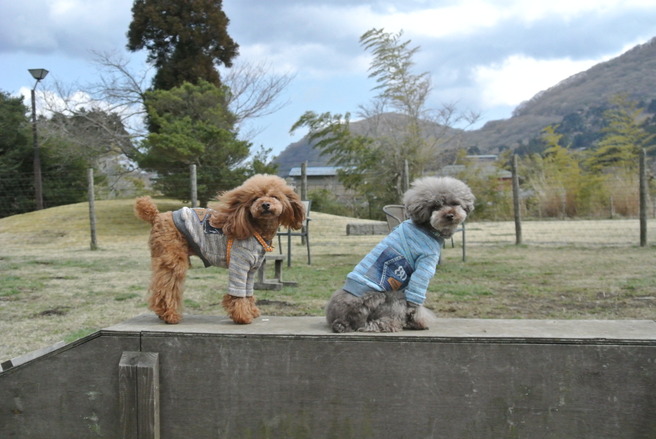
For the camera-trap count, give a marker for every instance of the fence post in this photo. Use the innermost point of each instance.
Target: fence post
(643, 198)
(406, 176)
(516, 205)
(92, 209)
(194, 185)
(304, 191)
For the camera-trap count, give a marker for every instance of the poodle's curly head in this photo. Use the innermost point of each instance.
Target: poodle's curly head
(441, 203)
(262, 201)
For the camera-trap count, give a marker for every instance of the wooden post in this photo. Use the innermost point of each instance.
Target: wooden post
(516, 204)
(92, 209)
(138, 381)
(304, 194)
(643, 198)
(406, 176)
(193, 185)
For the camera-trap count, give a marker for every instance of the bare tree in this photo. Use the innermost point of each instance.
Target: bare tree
(108, 114)
(120, 89)
(255, 92)
(402, 138)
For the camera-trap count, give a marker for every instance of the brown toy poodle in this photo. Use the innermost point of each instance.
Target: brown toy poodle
(235, 236)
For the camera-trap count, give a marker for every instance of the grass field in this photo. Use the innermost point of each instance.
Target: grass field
(52, 287)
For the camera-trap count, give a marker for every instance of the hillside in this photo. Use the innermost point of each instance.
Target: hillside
(382, 125)
(631, 74)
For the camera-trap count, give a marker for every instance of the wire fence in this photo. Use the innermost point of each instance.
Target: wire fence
(581, 233)
(617, 224)
(18, 195)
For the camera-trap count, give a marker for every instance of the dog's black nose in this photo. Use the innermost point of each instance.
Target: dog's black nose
(450, 216)
(266, 206)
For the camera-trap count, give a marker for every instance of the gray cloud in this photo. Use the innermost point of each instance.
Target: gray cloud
(318, 40)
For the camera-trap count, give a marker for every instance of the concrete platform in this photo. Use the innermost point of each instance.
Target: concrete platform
(290, 377)
(551, 331)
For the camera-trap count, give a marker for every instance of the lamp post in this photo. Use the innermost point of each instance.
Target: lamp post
(37, 74)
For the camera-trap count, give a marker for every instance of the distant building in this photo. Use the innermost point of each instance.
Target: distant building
(319, 177)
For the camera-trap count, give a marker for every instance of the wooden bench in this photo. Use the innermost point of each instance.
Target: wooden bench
(276, 283)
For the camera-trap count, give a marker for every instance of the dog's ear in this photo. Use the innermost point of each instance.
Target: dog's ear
(420, 213)
(232, 216)
(293, 214)
(237, 223)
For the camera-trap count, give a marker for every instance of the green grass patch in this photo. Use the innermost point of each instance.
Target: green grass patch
(191, 304)
(126, 296)
(17, 285)
(76, 335)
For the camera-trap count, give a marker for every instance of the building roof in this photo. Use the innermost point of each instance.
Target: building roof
(315, 171)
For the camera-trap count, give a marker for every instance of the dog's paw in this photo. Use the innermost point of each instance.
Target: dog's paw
(172, 318)
(384, 324)
(418, 318)
(414, 325)
(341, 326)
(255, 311)
(242, 319)
(239, 309)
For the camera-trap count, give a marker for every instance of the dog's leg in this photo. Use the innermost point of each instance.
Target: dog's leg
(387, 312)
(255, 311)
(166, 287)
(346, 312)
(169, 262)
(383, 324)
(238, 308)
(250, 286)
(418, 317)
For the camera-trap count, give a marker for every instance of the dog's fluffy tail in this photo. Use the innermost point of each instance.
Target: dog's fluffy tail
(146, 209)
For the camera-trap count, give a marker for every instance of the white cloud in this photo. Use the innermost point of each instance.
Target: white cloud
(460, 19)
(518, 78)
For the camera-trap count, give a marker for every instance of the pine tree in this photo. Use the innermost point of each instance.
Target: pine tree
(185, 40)
(193, 127)
(623, 138)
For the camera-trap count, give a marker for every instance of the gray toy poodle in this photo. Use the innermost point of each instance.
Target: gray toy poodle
(385, 292)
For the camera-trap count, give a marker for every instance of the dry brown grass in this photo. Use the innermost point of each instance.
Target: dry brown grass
(52, 287)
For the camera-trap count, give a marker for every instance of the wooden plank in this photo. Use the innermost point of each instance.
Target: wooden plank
(127, 394)
(139, 395)
(17, 361)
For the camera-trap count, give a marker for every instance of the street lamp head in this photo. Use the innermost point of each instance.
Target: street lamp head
(38, 74)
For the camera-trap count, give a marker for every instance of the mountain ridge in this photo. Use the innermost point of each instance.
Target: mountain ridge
(630, 74)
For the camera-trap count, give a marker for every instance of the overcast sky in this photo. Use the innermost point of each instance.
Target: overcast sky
(484, 55)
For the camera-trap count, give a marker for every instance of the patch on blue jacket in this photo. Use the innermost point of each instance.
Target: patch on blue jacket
(391, 271)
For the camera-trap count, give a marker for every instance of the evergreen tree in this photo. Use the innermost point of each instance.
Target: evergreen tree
(623, 138)
(63, 173)
(193, 127)
(185, 40)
